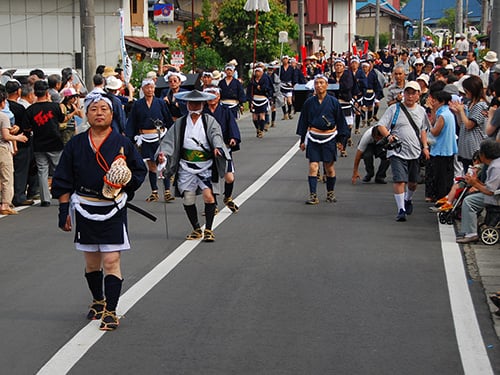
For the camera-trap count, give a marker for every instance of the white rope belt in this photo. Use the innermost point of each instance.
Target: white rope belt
(149, 138)
(311, 136)
(77, 200)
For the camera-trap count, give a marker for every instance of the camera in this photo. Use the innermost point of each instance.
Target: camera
(384, 143)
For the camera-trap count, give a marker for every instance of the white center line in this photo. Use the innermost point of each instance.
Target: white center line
(475, 360)
(76, 347)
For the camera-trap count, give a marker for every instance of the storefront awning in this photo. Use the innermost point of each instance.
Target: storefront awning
(144, 43)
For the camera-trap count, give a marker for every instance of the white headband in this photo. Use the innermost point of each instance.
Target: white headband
(94, 97)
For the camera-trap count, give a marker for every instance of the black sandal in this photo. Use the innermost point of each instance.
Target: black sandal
(495, 298)
(208, 236)
(196, 234)
(231, 205)
(109, 321)
(96, 310)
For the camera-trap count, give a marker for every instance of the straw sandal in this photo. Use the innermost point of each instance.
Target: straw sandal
(196, 234)
(231, 205)
(96, 309)
(154, 197)
(208, 235)
(109, 321)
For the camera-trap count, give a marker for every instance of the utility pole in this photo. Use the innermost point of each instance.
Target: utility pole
(495, 27)
(485, 6)
(459, 17)
(87, 22)
(302, 40)
(422, 11)
(377, 25)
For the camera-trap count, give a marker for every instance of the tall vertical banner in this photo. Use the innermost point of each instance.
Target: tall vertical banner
(126, 62)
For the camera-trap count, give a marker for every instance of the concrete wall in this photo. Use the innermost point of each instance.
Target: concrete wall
(46, 33)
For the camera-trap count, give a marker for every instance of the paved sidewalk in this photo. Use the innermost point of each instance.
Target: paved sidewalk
(484, 265)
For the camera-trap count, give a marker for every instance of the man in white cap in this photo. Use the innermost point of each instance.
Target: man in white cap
(489, 60)
(195, 153)
(323, 124)
(147, 123)
(404, 127)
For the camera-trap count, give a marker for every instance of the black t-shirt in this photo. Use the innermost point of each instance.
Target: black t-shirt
(18, 110)
(44, 118)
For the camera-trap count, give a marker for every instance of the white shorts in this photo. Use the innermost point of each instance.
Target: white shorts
(105, 248)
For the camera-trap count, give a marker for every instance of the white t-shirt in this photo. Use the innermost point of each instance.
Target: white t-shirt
(411, 148)
(473, 69)
(366, 139)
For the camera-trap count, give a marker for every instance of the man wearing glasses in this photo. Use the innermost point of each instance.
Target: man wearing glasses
(403, 127)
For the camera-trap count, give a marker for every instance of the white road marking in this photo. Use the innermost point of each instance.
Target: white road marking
(475, 360)
(75, 348)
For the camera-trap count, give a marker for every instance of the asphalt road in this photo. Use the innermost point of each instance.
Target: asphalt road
(286, 288)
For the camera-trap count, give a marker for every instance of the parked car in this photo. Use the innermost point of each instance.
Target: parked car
(442, 33)
(22, 75)
(471, 31)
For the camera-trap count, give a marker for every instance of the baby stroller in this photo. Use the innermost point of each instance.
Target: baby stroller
(449, 216)
(489, 230)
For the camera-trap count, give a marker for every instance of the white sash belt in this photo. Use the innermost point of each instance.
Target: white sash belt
(149, 138)
(320, 137)
(78, 200)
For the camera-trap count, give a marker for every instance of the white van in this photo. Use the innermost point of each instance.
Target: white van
(22, 75)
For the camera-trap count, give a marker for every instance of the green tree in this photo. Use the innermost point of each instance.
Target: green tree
(448, 21)
(235, 37)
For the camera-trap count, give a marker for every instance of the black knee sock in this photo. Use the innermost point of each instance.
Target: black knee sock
(209, 215)
(166, 183)
(153, 181)
(330, 183)
(284, 109)
(192, 215)
(256, 124)
(313, 183)
(375, 111)
(112, 290)
(289, 109)
(370, 114)
(228, 189)
(273, 116)
(358, 121)
(94, 281)
(262, 124)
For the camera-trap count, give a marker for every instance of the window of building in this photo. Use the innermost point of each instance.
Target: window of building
(136, 13)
